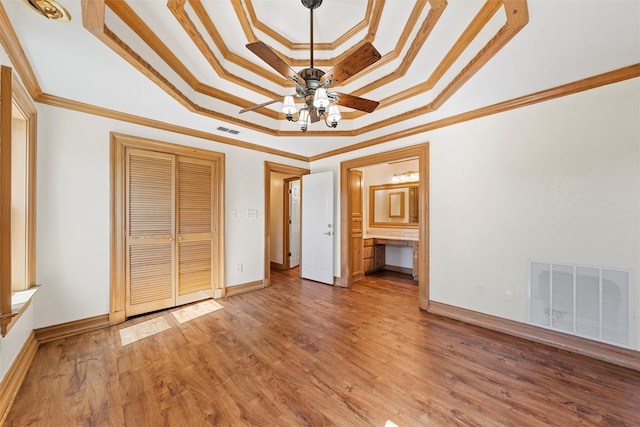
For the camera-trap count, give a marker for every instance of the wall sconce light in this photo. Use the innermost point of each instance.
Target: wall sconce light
(405, 176)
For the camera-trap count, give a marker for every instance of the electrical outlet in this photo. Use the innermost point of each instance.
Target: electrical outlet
(479, 289)
(509, 294)
(238, 268)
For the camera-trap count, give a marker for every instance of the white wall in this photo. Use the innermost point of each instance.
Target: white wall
(398, 256)
(12, 343)
(276, 222)
(557, 181)
(73, 220)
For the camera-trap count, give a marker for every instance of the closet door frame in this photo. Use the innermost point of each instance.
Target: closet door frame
(119, 145)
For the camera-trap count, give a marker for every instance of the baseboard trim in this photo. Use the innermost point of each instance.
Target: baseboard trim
(608, 353)
(15, 375)
(245, 287)
(342, 281)
(397, 269)
(70, 329)
(277, 266)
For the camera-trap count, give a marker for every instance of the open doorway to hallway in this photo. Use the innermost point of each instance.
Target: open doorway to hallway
(284, 224)
(282, 217)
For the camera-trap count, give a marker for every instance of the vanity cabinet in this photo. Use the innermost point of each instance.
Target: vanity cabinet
(373, 256)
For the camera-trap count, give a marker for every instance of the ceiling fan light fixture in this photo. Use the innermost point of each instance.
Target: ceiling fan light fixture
(303, 119)
(334, 115)
(312, 83)
(320, 100)
(289, 107)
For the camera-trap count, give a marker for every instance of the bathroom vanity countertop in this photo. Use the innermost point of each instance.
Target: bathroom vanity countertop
(377, 236)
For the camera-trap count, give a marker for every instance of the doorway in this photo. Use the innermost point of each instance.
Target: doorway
(347, 248)
(292, 209)
(275, 177)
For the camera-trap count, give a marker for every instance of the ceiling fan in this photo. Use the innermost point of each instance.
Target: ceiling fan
(312, 83)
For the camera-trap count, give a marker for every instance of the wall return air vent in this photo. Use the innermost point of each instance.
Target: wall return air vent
(591, 302)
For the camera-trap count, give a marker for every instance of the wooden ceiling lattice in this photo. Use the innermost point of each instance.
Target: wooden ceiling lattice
(507, 19)
(94, 20)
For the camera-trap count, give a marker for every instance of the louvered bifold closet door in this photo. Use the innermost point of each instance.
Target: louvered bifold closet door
(196, 269)
(150, 227)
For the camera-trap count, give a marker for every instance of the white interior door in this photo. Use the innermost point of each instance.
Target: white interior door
(317, 227)
(294, 223)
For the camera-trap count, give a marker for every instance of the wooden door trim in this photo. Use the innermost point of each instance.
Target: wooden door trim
(360, 275)
(270, 167)
(119, 143)
(420, 151)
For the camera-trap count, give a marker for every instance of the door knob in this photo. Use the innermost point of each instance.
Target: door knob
(328, 233)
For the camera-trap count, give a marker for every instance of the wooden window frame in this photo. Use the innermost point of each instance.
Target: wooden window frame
(14, 95)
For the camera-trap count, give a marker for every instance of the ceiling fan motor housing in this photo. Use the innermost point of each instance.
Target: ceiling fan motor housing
(311, 77)
(311, 4)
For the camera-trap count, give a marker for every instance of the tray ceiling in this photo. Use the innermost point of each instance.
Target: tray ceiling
(194, 52)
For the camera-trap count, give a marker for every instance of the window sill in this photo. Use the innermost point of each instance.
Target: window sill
(20, 301)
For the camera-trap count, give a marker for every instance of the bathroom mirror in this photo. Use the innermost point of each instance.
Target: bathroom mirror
(393, 205)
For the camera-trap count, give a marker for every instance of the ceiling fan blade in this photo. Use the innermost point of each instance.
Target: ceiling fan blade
(356, 103)
(265, 53)
(360, 59)
(264, 104)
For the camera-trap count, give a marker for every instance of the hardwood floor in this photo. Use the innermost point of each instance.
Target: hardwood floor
(303, 353)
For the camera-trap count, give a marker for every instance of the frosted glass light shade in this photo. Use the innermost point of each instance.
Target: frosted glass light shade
(334, 114)
(320, 99)
(303, 119)
(289, 107)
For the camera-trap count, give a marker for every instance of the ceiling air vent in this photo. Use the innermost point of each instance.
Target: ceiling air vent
(231, 131)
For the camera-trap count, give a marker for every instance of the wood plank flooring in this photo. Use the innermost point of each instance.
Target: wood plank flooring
(302, 353)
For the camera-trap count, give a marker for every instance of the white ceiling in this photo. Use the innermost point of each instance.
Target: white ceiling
(563, 41)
